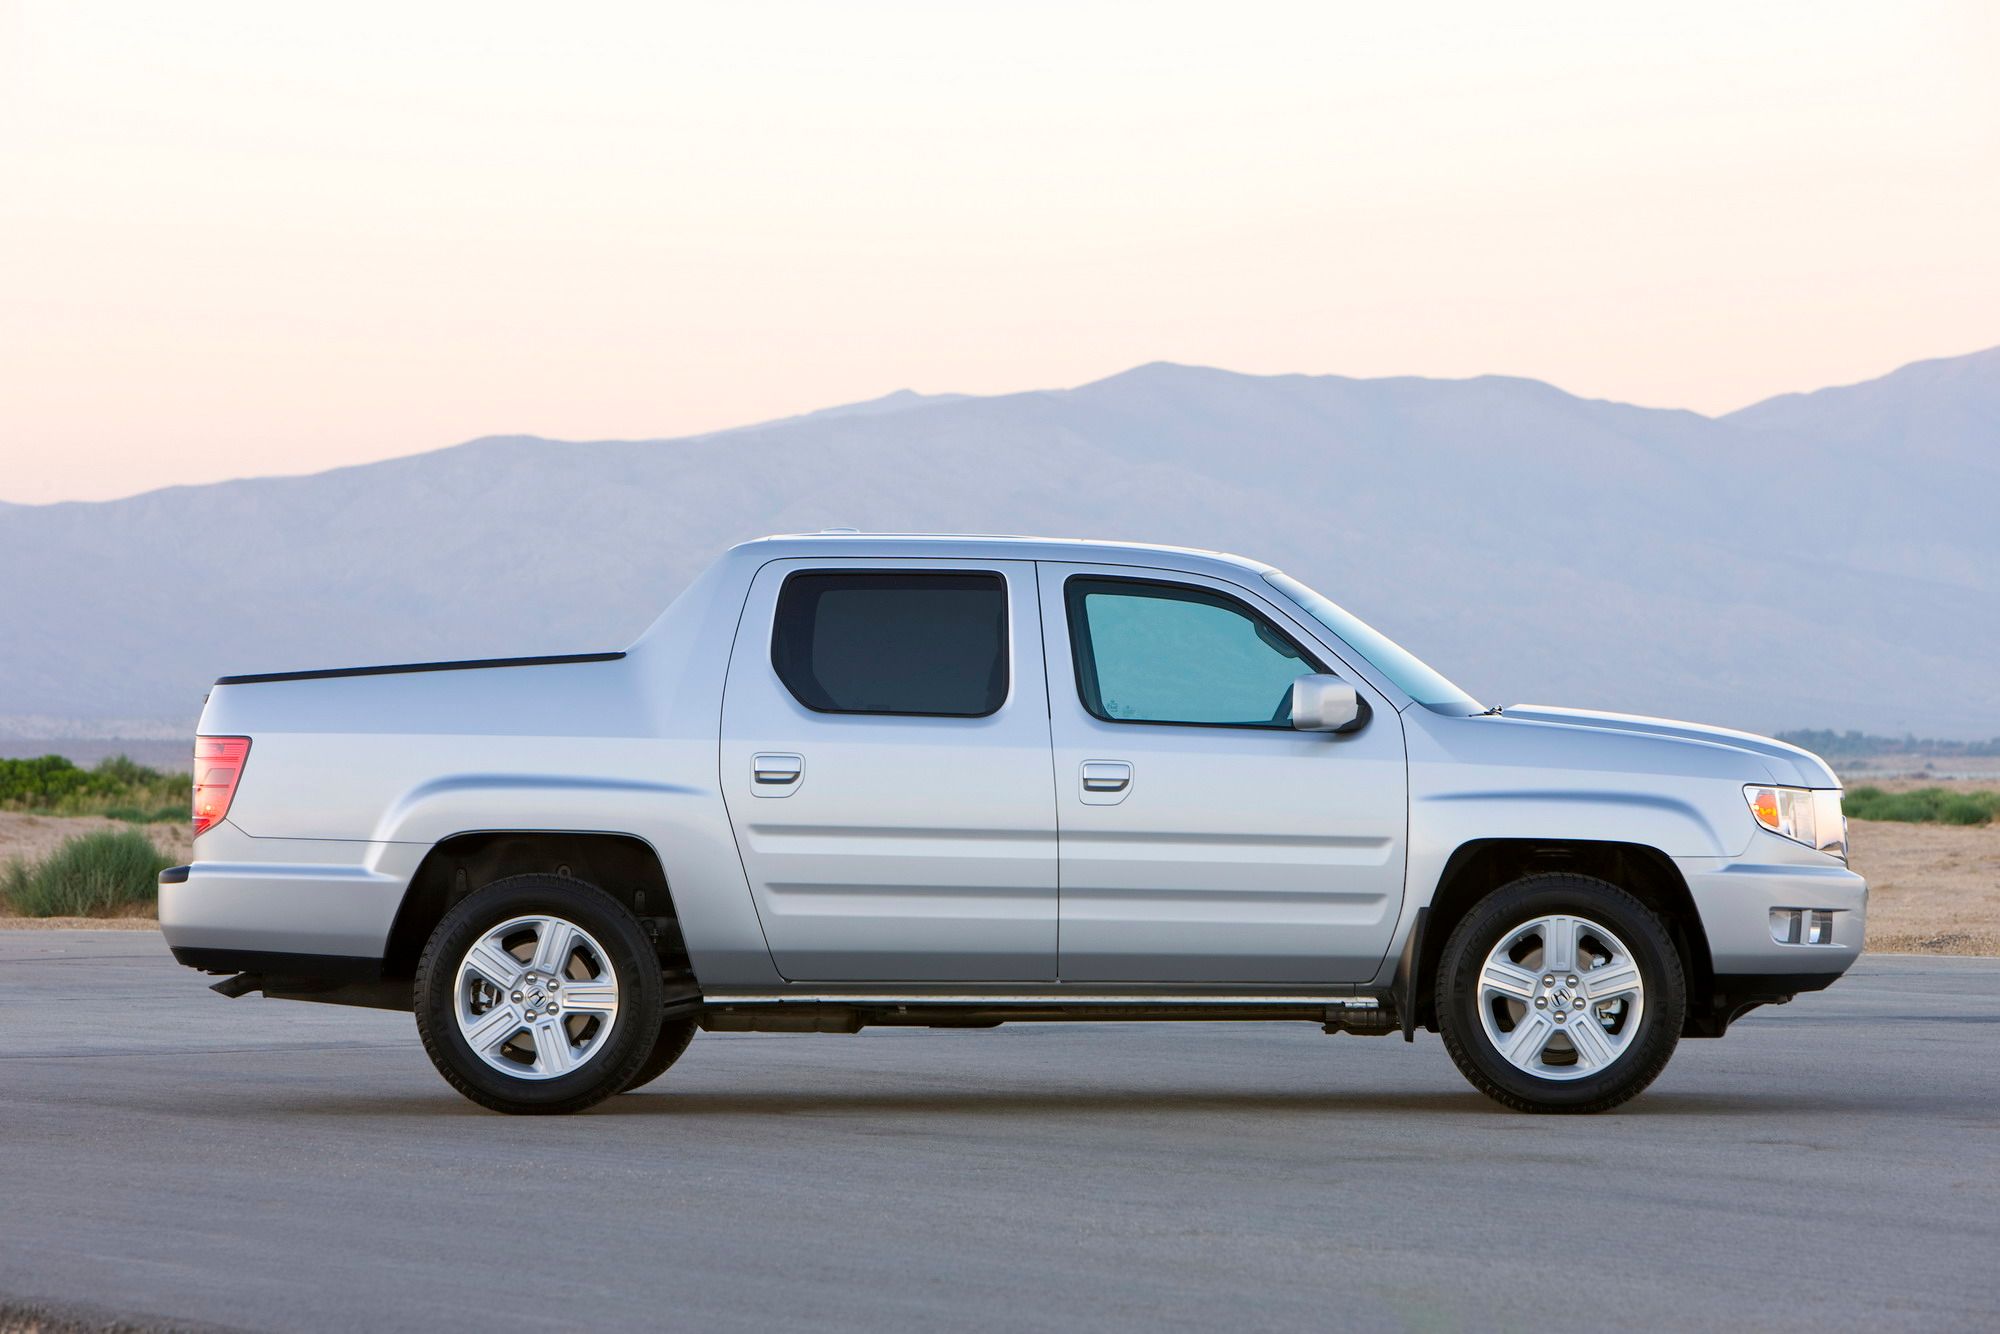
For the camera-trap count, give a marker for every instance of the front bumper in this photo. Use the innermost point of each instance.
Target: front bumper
(1737, 900)
(1781, 920)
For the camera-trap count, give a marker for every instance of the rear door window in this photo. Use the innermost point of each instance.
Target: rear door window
(916, 642)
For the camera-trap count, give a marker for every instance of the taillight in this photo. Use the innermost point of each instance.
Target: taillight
(218, 764)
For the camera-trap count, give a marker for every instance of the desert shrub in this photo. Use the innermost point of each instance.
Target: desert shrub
(58, 786)
(1926, 805)
(95, 875)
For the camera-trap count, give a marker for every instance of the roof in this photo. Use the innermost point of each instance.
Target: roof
(1000, 546)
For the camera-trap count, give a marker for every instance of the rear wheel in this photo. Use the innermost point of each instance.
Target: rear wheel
(538, 994)
(1560, 993)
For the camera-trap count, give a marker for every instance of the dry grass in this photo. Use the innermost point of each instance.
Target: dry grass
(1932, 889)
(33, 837)
(138, 921)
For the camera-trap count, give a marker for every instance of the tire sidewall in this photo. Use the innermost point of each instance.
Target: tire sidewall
(1631, 921)
(628, 951)
(668, 1048)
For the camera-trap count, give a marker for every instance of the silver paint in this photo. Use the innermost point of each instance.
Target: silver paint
(1003, 849)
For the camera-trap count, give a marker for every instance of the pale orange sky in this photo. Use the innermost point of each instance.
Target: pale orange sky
(252, 238)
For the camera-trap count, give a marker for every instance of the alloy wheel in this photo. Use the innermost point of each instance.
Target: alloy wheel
(536, 997)
(1561, 997)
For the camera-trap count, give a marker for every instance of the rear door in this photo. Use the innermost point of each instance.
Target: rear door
(885, 761)
(1202, 839)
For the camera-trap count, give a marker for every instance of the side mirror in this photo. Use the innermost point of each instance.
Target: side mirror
(1325, 704)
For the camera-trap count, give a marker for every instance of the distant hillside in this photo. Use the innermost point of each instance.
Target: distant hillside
(1837, 746)
(1822, 557)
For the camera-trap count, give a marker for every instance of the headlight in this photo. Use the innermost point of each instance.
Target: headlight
(1811, 816)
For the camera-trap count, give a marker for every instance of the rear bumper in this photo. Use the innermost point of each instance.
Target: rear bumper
(333, 979)
(304, 970)
(214, 909)
(296, 932)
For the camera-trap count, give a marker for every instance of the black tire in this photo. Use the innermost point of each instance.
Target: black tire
(675, 1034)
(614, 1062)
(1510, 908)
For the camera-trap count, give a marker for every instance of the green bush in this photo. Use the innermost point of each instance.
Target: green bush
(95, 875)
(57, 786)
(1926, 805)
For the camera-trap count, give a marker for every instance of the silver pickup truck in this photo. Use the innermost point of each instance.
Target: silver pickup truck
(956, 781)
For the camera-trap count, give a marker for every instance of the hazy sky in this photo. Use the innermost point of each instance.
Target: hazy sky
(239, 239)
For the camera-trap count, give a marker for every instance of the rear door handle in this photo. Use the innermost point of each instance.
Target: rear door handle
(776, 774)
(1105, 782)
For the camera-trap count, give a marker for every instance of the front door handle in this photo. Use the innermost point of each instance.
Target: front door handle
(776, 775)
(1105, 782)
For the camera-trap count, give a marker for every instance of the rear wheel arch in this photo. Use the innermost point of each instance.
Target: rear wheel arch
(626, 867)
(1478, 868)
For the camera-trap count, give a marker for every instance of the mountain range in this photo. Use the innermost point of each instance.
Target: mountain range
(1829, 559)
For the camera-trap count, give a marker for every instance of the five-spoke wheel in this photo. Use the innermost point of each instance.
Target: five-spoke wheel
(1560, 993)
(537, 997)
(1560, 997)
(539, 993)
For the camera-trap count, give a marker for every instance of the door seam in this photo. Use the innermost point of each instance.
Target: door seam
(1055, 790)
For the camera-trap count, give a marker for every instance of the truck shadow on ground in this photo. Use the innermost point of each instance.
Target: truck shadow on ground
(1069, 1103)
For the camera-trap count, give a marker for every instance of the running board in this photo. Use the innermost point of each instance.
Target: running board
(787, 1012)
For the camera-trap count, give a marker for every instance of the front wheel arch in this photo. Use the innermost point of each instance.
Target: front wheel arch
(1480, 867)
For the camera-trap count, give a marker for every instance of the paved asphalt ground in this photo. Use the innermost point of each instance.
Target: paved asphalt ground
(172, 1157)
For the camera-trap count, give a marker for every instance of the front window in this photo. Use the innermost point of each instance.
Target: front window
(1169, 653)
(1412, 675)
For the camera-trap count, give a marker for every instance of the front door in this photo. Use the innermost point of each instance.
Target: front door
(1202, 839)
(885, 761)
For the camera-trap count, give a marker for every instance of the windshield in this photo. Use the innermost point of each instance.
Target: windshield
(1411, 674)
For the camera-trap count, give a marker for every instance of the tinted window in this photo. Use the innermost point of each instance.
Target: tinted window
(1164, 653)
(863, 641)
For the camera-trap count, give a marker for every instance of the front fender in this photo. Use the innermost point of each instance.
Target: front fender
(1472, 781)
(1667, 822)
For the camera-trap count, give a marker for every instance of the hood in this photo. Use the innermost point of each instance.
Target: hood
(1789, 765)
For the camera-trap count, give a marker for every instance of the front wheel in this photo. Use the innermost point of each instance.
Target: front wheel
(538, 994)
(1560, 993)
